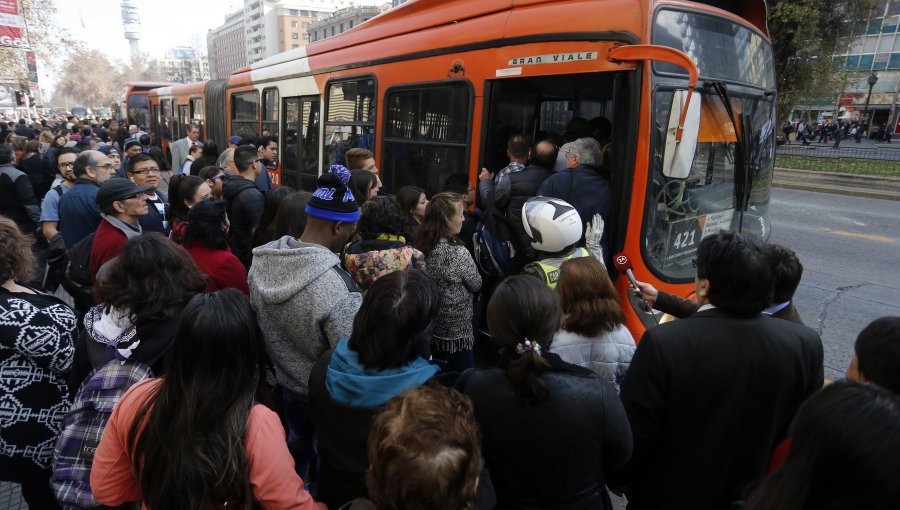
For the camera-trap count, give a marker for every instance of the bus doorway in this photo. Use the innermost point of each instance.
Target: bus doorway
(542, 107)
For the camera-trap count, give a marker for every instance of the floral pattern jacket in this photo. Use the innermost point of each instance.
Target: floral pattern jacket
(369, 259)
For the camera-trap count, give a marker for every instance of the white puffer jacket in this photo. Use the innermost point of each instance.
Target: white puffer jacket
(608, 355)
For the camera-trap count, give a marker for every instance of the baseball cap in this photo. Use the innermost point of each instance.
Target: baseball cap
(118, 188)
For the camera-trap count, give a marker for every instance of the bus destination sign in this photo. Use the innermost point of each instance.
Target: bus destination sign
(553, 58)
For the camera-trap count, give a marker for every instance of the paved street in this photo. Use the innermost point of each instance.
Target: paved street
(850, 250)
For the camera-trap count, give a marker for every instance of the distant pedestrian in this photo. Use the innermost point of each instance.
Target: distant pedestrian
(245, 201)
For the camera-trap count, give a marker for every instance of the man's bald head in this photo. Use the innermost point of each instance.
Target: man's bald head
(544, 154)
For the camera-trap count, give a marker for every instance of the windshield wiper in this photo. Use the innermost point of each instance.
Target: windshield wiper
(743, 162)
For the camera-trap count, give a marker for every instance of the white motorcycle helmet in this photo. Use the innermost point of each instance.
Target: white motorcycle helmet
(551, 224)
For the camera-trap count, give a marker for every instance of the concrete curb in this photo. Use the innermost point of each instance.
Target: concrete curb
(866, 186)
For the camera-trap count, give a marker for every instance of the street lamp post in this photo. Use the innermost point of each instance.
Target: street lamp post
(873, 79)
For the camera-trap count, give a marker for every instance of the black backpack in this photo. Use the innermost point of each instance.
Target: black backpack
(76, 277)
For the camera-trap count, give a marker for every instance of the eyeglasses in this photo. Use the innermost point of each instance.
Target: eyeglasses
(145, 171)
(694, 262)
(108, 166)
(216, 177)
(67, 165)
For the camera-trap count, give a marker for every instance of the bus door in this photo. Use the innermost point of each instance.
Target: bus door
(542, 108)
(300, 144)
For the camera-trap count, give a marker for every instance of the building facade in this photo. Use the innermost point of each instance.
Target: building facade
(343, 20)
(273, 26)
(873, 56)
(184, 64)
(226, 46)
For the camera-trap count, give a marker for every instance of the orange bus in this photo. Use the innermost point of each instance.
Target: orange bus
(435, 88)
(133, 105)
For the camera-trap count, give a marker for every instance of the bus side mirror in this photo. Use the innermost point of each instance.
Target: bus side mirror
(678, 157)
(684, 119)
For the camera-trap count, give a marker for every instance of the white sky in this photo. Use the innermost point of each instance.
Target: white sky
(164, 24)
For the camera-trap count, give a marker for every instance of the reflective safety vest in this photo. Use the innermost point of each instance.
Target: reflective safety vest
(548, 269)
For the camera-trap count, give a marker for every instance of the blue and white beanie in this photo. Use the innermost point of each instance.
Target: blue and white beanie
(332, 199)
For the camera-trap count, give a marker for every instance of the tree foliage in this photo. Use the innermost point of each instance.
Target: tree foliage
(90, 78)
(50, 42)
(805, 34)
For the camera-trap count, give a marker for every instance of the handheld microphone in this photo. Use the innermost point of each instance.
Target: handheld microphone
(623, 264)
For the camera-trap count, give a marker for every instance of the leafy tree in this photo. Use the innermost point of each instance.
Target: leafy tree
(51, 43)
(89, 78)
(805, 34)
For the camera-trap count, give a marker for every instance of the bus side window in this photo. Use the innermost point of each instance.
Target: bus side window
(349, 119)
(270, 113)
(245, 114)
(169, 128)
(427, 135)
(196, 114)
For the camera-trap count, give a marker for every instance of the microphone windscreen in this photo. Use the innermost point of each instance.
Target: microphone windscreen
(622, 262)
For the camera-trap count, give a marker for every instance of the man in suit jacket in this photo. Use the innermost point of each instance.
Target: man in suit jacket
(711, 395)
(787, 273)
(180, 147)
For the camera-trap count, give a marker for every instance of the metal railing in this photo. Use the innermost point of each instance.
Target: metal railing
(848, 158)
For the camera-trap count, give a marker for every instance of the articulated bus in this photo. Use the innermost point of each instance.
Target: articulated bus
(435, 87)
(133, 106)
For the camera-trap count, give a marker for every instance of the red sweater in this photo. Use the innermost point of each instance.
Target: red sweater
(108, 243)
(223, 268)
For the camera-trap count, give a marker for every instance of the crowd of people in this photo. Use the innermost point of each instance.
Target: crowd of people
(827, 132)
(180, 334)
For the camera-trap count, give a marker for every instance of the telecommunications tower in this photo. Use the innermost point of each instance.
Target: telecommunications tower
(132, 23)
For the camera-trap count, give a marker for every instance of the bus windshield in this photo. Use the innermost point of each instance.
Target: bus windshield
(681, 212)
(722, 49)
(137, 110)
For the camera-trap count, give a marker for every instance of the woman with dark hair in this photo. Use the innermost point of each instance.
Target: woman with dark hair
(382, 248)
(185, 191)
(453, 268)
(141, 297)
(37, 344)
(876, 358)
(364, 185)
(59, 141)
(575, 428)
(350, 383)
(845, 453)
(208, 156)
(36, 168)
(213, 177)
(196, 438)
(206, 240)
(266, 226)
(593, 334)
(291, 217)
(412, 202)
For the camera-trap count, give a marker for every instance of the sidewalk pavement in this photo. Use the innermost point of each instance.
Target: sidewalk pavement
(883, 188)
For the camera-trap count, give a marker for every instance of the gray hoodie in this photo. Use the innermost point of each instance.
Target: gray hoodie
(305, 303)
